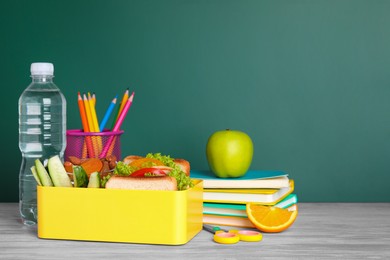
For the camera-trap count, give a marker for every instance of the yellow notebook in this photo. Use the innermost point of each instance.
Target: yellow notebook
(265, 197)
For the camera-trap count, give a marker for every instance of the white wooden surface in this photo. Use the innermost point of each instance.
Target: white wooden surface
(322, 231)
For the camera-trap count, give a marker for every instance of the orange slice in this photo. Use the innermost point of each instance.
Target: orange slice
(270, 219)
(146, 162)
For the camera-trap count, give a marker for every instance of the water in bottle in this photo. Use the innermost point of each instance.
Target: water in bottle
(42, 132)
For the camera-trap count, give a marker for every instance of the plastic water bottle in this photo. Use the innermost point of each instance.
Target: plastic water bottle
(42, 132)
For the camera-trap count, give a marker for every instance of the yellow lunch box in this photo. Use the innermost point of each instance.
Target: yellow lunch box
(130, 216)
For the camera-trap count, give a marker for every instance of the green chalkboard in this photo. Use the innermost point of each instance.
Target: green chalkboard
(309, 81)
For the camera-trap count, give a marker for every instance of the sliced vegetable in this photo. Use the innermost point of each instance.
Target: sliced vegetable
(94, 180)
(144, 172)
(43, 175)
(57, 172)
(80, 177)
(35, 174)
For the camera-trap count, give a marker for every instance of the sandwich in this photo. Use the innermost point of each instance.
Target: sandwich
(152, 172)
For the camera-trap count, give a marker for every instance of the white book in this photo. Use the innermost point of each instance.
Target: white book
(252, 179)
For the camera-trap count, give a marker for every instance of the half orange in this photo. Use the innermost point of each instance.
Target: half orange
(271, 219)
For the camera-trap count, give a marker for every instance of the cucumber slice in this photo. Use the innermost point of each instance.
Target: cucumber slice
(80, 177)
(58, 173)
(42, 174)
(35, 174)
(94, 180)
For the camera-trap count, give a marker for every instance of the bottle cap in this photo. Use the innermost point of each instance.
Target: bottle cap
(42, 68)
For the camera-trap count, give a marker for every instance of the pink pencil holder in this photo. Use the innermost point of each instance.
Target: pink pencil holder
(92, 145)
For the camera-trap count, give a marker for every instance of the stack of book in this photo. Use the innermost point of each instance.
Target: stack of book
(225, 199)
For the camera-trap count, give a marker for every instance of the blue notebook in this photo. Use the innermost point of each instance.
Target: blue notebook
(252, 179)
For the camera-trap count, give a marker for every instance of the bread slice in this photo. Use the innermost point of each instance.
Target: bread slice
(142, 183)
(184, 165)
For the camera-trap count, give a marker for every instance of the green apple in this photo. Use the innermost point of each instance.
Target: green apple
(229, 153)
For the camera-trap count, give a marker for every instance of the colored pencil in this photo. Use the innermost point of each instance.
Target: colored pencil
(93, 114)
(117, 126)
(94, 98)
(95, 124)
(120, 107)
(88, 113)
(120, 120)
(84, 150)
(84, 122)
(108, 113)
(123, 103)
(83, 116)
(90, 123)
(123, 113)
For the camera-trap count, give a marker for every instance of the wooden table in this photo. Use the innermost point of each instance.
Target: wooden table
(322, 231)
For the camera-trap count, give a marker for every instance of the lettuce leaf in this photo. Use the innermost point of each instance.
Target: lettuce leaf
(123, 169)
